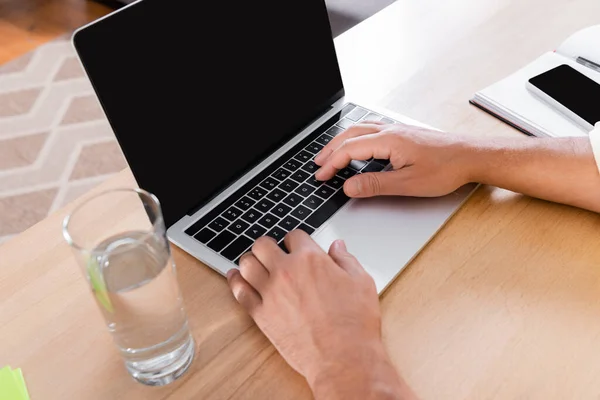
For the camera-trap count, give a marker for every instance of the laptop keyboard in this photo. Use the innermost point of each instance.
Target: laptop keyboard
(285, 196)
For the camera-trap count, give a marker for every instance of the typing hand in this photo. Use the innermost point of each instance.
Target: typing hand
(320, 311)
(426, 163)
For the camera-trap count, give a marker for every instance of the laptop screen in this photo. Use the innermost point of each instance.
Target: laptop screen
(198, 92)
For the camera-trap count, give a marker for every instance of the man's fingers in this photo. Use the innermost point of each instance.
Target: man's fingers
(387, 183)
(253, 272)
(372, 122)
(354, 131)
(345, 260)
(359, 148)
(243, 292)
(266, 250)
(298, 239)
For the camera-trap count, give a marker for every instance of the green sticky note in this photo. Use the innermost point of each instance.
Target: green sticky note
(18, 374)
(10, 389)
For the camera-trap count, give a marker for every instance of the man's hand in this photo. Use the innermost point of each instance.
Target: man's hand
(321, 312)
(429, 163)
(425, 163)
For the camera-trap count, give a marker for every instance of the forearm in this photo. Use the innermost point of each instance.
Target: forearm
(360, 376)
(560, 170)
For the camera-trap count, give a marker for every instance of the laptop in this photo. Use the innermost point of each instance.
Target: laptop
(219, 109)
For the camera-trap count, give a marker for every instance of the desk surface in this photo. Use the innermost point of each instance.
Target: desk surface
(503, 303)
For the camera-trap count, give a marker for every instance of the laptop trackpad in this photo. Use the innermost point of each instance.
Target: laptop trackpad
(385, 233)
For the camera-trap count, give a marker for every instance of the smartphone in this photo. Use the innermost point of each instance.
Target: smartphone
(569, 92)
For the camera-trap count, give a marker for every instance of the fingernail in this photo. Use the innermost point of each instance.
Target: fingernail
(318, 158)
(318, 174)
(340, 245)
(353, 187)
(230, 273)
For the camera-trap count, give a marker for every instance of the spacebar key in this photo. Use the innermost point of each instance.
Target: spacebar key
(328, 208)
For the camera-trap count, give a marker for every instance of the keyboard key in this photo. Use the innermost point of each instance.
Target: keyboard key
(205, 235)
(301, 212)
(222, 240)
(313, 202)
(245, 203)
(281, 174)
(388, 120)
(277, 233)
(324, 139)
(292, 164)
(268, 220)
(218, 224)
(232, 214)
(356, 114)
(336, 182)
(334, 131)
(314, 147)
(324, 212)
(257, 193)
(288, 186)
(313, 181)
(381, 161)
(347, 108)
(305, 190)
(372, 117)
(236, 248)
(373, 167)
(345, 123)
(293, 200)
(264, 205)
(300, 176)
(270, 183)
(255, 231)
(193, 229)
(346, 173)
(239, 227)
(289, 223)
(281, 210)
(251, 216)
(357, 164)
(325, 191)
(310, 167)
(276, 195)
(306, 228)
(303, 156)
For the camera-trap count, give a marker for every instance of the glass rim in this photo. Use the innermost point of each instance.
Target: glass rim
(147, 233)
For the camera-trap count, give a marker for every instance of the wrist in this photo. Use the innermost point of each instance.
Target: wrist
(490, 159)
(482, 156)
(361, 372)
(468, 153)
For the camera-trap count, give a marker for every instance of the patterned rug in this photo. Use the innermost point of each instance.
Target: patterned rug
(55, 143)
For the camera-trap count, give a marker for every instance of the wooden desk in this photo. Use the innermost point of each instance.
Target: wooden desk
(503, 303)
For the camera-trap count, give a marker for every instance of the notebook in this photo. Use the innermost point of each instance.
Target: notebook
(510, 101)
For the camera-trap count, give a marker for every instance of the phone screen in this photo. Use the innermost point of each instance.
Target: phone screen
(573, 90)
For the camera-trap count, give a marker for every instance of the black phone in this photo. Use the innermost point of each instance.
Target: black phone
(570, 92)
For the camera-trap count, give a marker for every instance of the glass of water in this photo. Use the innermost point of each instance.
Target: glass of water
(119, 239)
